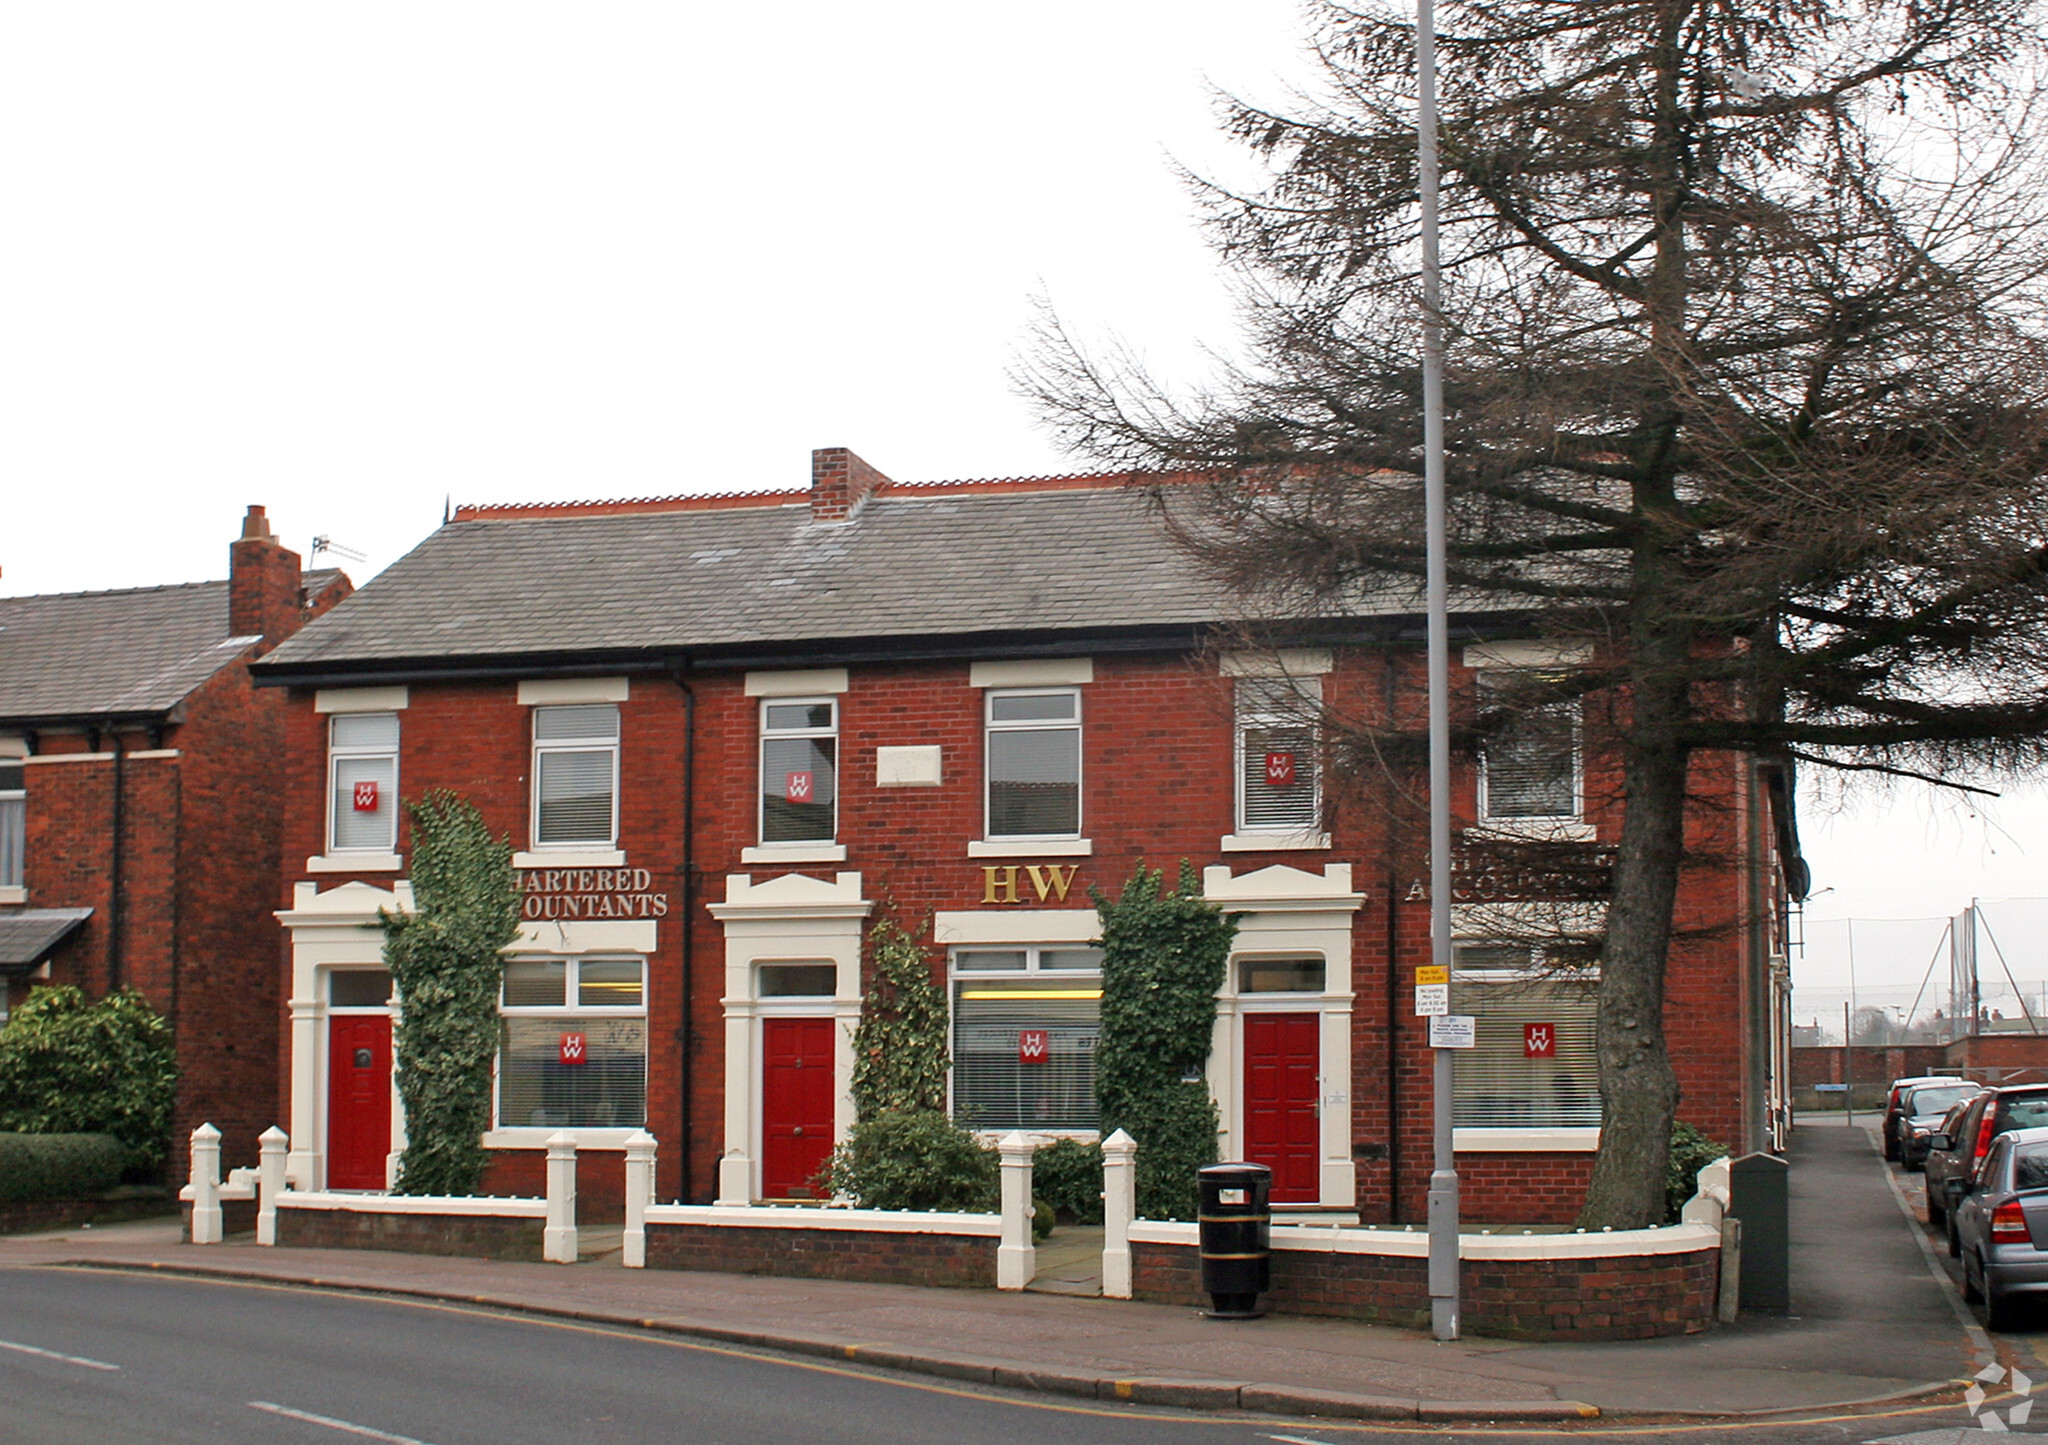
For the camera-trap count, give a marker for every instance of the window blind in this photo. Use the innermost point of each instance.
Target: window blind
(575, 795)
(1293, 804)
(1532, 767)
(1498, 1085)
(608, 1090)
(368, 828)
(992, 1089)
(1034, 782)
(786, 821)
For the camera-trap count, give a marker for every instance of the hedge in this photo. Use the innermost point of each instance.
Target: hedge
(59, 1166)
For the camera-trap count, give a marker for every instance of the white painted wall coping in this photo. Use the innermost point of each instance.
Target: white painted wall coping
(464, 1204)
(878, 1221)
(1328, 1239)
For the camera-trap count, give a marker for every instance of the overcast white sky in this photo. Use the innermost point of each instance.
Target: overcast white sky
(348, 262)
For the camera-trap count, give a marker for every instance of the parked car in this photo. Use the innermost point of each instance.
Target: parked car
(1920, 1113)
(1956, 1151)
(1895, 1097)
(2001, 1225)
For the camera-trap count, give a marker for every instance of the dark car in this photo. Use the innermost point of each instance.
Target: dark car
(1955, 1151)
(1921, 1111)
(1895, 1097)
(2001, 1224)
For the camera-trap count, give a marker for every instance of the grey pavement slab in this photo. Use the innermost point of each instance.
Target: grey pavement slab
(1869, 1322)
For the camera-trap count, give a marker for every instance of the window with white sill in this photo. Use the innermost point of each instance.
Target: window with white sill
(1533, 1064)
(1530, 768)
(573, 1044)
(13, 827)
(362, 782)
(1278, 780)
(576, 776)
(1034, 763)
(1025, 1025)
(799, 770)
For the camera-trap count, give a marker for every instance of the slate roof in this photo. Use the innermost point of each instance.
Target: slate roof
(94, 654)
(31, 935)
(925, 565)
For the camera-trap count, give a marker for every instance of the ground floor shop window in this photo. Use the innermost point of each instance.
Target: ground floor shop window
(1025, 1025)
(1532, 1064)
(573, 1048)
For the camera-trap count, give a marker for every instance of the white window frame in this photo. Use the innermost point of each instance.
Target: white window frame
(1578, 768)
(1034, 953)
(990, 727)
(1551, 1138)
(570, 1010)
(541, 746)
(766, 735)
(335, 753)
(14, 827)
(1247, 716)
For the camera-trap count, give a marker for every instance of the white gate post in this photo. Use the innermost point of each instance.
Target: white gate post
(205, 1186)
(1016, 1258)
(273, 1145)
(639, 1194)
(1119, 1205)
(558, 1238)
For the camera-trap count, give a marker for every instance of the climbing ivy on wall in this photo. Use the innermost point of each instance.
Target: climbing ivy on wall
(1163, 956)
(445, 959)
(899, 1047)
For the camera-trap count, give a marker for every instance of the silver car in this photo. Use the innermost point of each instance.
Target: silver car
(2002, 1226)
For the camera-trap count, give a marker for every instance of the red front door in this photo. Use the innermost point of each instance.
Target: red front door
(1282, 1061)
(358, 1100)
(796, 1105)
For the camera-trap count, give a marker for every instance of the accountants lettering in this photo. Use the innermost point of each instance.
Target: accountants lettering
(559, 894)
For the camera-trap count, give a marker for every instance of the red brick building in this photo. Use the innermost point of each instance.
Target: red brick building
(141, 808)
(724, 735)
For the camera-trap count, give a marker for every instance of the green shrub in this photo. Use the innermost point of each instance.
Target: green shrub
(1691, 1151)
(1163, 958)
(59, 1166)
(899, 1045)
(445, 960)
(1067, 1174)
(1043, 1221)
(69, 1066)
(917, 1160)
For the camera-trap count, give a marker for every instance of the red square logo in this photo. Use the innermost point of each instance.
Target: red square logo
(801, 786)
(1279, 770)
(1539, 1041)
(366, 797)
(574, 1049)
(1033, 1046)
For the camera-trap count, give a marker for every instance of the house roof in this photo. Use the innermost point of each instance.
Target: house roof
(99, 654)
(759, 575)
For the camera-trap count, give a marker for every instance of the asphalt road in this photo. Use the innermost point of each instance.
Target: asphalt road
(90, 1356)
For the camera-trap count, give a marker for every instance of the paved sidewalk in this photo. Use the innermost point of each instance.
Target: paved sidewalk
(1870, 1324)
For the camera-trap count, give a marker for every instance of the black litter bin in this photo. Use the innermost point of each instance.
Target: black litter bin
(1237, 1238)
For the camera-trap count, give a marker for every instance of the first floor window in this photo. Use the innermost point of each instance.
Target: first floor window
(1025, 1025)
(1276, 754)
(799, 773)
(573, 1044)
(1529, 767)
(1533, 1064)
(575, 775)
(362, 767)
(1034, 764)
(13, 827)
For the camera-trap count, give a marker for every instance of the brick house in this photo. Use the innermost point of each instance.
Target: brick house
(725, 734)
(141, 810)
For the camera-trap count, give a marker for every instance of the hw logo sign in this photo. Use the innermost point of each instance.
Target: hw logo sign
(1539, 1041)
(802, 786)
(366, 796)
(1034, 1046)
(1279, 770)
(574, 1048)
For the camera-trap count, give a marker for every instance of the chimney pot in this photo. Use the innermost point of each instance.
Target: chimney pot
(255, 524)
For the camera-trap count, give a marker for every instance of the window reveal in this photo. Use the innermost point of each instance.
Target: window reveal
(799, 771)
(573, 1044)
(575, 775)
(1034, 764)
(362, 765)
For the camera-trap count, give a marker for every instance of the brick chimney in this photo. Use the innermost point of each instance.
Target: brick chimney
(263, 585)
(840, 482)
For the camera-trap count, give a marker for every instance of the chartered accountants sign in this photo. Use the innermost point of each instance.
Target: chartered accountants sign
(560, 894)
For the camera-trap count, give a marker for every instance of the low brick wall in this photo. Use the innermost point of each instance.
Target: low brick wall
(237, 1216)
(29, 1216)
(918, 1253)
(1603, 1297)
(469, 1236)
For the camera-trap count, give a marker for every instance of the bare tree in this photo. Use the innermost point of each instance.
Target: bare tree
(1745, 389)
